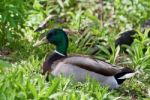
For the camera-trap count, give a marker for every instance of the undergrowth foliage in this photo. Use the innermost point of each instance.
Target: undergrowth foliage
(24, 81)
(97, 23)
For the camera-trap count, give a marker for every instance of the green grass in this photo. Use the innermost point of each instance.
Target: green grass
(22, 79)
(20, 71)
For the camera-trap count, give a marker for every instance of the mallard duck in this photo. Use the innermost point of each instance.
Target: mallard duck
(78, 67)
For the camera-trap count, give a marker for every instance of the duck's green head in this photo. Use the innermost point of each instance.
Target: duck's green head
(56, 37)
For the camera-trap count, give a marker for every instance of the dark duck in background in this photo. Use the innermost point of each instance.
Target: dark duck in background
(59, 63)
(127, 37)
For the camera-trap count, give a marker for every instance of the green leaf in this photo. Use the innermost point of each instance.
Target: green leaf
(61, 3)
(4, 64)
(2, 96)
(33, 90)
(36, 5)
(117, 53)
(52, 88)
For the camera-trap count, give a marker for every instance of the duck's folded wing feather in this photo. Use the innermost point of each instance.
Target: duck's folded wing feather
(93, 65)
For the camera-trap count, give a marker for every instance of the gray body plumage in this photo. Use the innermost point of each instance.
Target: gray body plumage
(80, 75)
(68, 69)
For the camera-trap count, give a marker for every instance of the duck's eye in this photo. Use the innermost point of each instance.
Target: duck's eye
(50, 35)
(53, 32)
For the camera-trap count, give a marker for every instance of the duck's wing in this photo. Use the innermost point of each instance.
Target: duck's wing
(93, 65)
